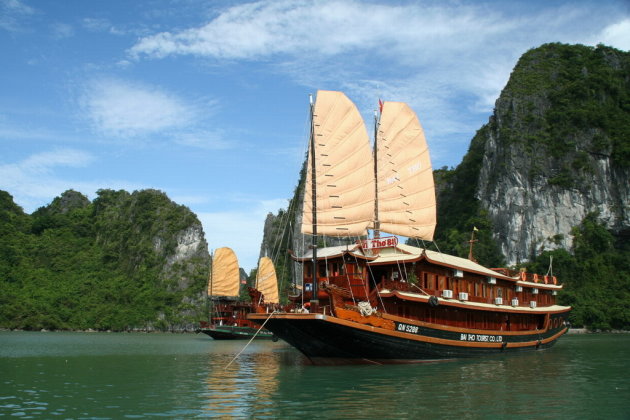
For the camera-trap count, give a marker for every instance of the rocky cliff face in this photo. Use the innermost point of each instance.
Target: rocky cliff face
(556, 149)
(146, 231)
(124, 261)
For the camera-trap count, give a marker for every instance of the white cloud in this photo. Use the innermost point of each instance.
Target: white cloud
(124, 109)
(35, 181)
(617, 35)
(12, 13)
(62, 30)
(432, 54)
(101, 25)
(203, 139)
(261, 29)
(34, 178)
(468, 49)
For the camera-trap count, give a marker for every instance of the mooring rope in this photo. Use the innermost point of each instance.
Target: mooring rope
(250, 340)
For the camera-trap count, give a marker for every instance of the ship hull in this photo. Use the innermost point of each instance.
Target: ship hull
(235, 333)
(325, 339)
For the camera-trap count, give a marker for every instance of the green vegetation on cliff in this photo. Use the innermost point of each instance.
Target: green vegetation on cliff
(566, 102)
(564, 108)
(110, 264)
(596, 276)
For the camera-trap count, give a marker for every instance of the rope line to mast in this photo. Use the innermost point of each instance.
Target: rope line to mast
(250, 340)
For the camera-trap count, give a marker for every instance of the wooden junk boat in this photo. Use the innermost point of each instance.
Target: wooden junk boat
(379, 301)
(228, 312)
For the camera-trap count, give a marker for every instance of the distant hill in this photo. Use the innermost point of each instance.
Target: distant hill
(124, 261)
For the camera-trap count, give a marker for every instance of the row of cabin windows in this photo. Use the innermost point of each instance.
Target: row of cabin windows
(468, 319)
(333, 269)
(432, 281)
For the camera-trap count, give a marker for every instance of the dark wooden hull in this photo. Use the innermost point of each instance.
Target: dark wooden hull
(225, 332)
(325, 339)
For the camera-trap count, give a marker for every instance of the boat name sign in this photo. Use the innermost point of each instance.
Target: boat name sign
(377, 243)
(481, 338)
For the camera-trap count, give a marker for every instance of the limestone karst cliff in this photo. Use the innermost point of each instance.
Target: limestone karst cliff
(556, 148)
(123, 261)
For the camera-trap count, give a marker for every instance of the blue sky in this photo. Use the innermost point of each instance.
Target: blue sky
(208, 100)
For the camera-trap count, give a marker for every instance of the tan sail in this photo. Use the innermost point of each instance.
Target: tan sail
(266, 280)
(225, 278)
(344, 169)
(406, 193)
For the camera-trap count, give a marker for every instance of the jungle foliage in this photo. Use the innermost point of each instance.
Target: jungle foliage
(98, 265)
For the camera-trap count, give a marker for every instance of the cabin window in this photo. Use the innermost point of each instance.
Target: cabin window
(323, 270)
(425, 280)
(337, 269)
(476, 289)
(307, 270)
(499, 292)
(441, 283)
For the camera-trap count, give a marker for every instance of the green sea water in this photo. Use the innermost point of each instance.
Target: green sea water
(51, 375)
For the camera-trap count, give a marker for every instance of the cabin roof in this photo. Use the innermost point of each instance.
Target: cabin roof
(402, 253)
(410, 253)
(334, 252)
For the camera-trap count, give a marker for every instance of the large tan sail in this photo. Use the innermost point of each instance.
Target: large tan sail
(406, 193)
(266, 280)
(225, 277)
(344, 169)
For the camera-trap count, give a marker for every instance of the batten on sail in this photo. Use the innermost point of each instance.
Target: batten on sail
(267, 281)
(225, 278)
(344, 170)
(406, 194)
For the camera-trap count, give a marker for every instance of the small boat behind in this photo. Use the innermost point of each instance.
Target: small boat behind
(228, 312)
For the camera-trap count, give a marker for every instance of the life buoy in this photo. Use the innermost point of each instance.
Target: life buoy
(433, 301)
(523, 276)
(546, 279)
(535, 278)
(555, 280)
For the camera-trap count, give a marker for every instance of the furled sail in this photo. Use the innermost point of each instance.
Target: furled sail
(406, 193)
(344, 170)
(225, 278)
(266, 280)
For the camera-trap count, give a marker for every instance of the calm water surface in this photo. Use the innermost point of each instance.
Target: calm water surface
(94, 375)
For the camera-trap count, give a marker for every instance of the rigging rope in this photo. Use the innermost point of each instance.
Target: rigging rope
(250, 340)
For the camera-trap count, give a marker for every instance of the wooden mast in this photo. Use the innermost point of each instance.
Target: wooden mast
(211, 311)
(314, 297)
(377, 223)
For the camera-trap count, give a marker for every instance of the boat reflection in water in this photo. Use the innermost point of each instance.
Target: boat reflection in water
(246, 385)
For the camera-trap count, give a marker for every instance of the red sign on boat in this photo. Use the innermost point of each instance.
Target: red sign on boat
(377, 243)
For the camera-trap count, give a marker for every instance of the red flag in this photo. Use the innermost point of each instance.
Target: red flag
(380, 105)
